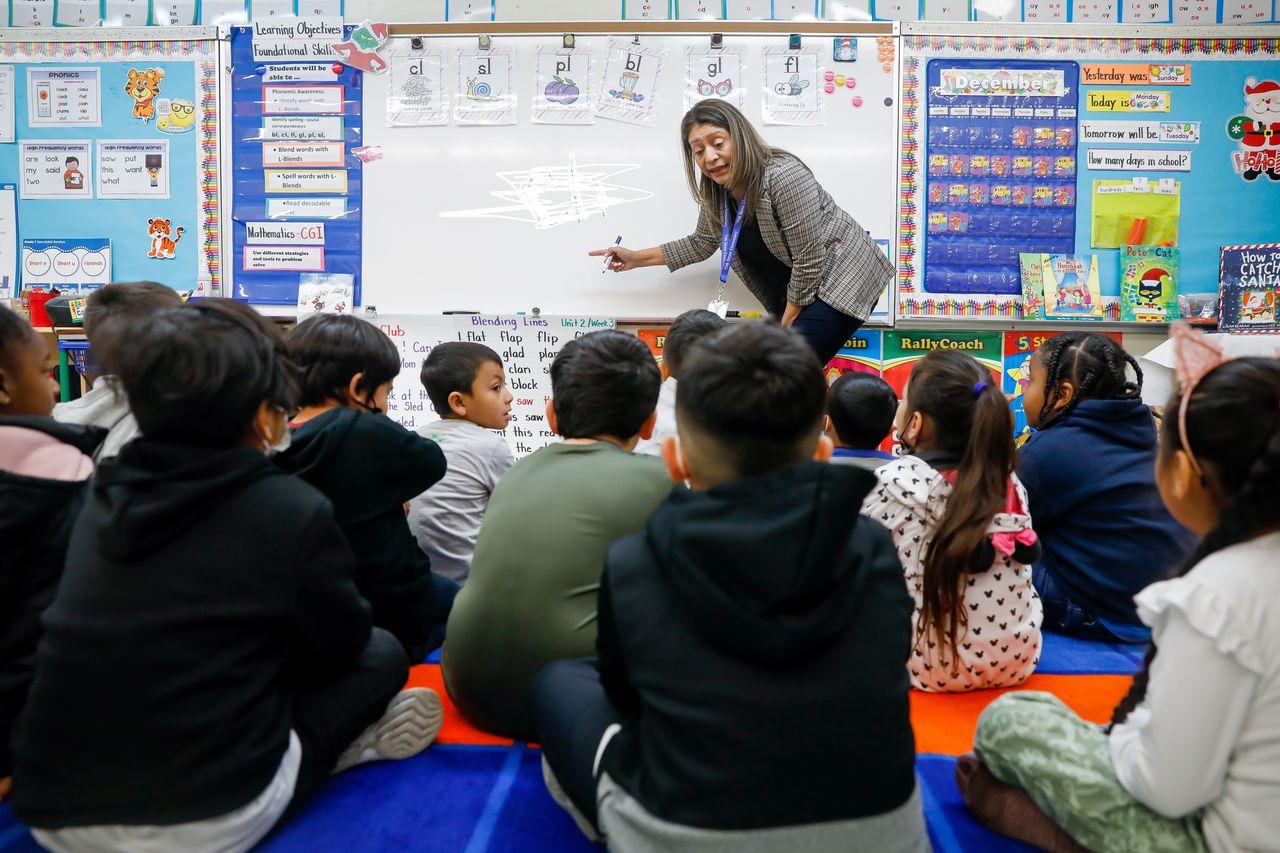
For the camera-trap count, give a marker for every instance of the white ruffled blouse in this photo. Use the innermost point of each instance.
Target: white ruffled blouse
(1208, 736)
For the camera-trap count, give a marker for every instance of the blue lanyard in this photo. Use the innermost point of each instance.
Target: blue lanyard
(729, 243)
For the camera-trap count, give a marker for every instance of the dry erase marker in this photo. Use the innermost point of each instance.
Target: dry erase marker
(745, 314)
(609, 257)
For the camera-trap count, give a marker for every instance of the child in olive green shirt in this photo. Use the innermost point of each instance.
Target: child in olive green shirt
(531, 595)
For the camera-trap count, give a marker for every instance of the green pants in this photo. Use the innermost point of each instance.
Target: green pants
(1036, 742)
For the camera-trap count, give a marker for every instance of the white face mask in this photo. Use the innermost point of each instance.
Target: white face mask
(282, 444)
(286, 440)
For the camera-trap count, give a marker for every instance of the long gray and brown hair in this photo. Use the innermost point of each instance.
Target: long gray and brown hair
(751, 154)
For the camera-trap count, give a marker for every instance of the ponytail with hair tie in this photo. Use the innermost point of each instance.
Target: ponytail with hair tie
(956, 392)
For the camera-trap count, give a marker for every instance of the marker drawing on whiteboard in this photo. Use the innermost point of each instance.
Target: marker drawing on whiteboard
(548, 196)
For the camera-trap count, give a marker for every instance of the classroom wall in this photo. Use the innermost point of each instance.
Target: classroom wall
(993, 11)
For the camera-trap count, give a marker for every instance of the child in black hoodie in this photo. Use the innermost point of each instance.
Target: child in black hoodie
(751, 686)
(370, 467)
(44, 466)
(207, 661)
(1089, 470)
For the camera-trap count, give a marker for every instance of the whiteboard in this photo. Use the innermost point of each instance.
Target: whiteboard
(417, 260)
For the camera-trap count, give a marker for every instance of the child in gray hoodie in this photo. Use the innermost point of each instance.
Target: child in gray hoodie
(109, 315)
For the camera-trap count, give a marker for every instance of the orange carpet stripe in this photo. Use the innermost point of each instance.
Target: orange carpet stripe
(455, 729)
(945, 722)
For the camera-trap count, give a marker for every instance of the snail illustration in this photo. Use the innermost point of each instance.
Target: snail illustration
(793, 87)
(481, 91)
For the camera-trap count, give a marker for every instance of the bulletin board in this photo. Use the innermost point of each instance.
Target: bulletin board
(113, 155)
(1170, 127)
(494, 210)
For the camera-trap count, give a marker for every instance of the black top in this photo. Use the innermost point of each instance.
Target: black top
(756, 637)
(763, 263)
(202, 588)
(369, 466)
(36, 515)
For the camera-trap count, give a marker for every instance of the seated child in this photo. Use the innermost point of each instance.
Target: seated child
(109, 313)
(861, 408)
(369, 467)
(959, 518)
(531, 596)
(1192, 758)
(1090, 478)
(207, 662)
(44, 466)
(468, 389)
(684, 331)
(750, 607)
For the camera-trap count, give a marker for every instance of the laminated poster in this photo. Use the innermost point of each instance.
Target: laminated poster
(7, 110)
(699, 10)
(127, 13)
(526, 344)
(79, 13)
(60, 169)
(713, 74)
(791, 87)
(1071, 287)
(862, 353)
(416, 97)
(325, 293)
(1149, 284)
(484, 93)
(629, 89)
(66, 263)
(562, 86)
(64, 96)
(1249, 277)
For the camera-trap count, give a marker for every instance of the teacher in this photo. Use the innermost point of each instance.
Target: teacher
(804, 258)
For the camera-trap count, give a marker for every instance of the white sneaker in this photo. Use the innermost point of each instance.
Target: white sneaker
(408, 726)
(562, 800)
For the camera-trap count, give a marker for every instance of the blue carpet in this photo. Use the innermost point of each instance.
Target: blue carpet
(1069, 656)
(478, 799)
(951, 827)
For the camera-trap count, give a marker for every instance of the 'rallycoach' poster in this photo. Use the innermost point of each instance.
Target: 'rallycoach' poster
(903, 349)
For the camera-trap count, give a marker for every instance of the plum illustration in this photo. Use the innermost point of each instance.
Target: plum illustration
(562, 91)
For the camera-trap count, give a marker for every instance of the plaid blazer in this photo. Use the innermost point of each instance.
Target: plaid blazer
(831, 256)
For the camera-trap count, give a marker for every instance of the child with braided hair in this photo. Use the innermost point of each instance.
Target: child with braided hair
(1191, 761)
(1089, 472)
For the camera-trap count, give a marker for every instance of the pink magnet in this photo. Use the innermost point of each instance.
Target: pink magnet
(368, 153)
(850, 82)
(857, 100)
(829, 76)
(829, 88)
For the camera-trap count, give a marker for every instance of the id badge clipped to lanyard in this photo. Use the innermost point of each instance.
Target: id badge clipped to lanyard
(728, 246)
